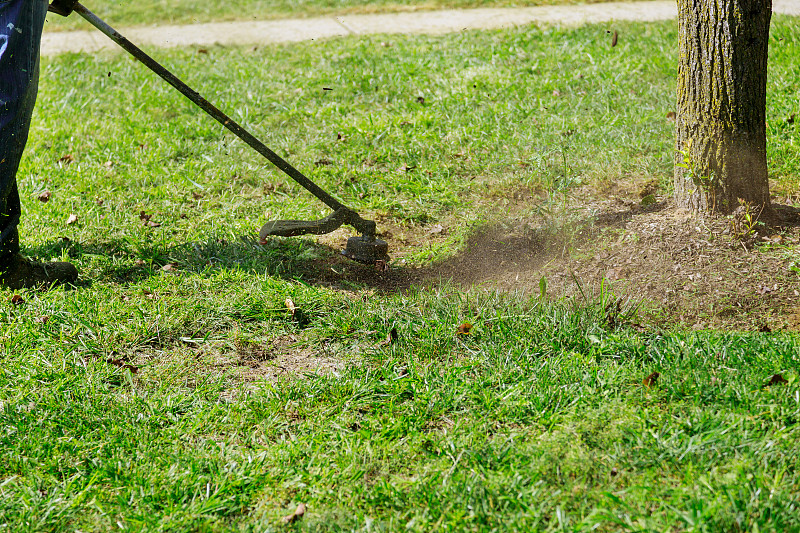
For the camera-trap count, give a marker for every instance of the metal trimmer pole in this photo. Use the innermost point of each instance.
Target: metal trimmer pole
(366, 227)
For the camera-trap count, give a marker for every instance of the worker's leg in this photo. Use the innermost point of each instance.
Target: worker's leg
(21, 23)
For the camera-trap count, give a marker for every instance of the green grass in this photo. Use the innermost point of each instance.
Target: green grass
(501, 110)
(151, 12)
(536, 421)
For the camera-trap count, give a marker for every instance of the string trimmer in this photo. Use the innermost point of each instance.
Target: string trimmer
(364, 249)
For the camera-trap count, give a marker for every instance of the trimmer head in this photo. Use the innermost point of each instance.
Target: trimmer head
(366, 250)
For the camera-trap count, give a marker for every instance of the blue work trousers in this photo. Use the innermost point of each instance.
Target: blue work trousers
(21, 24)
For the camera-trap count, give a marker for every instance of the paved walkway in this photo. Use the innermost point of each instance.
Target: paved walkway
(429, 22)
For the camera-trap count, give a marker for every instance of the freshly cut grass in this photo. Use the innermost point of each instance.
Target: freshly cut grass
(162, 394)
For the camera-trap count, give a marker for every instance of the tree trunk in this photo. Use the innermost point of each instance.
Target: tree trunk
(721, 152)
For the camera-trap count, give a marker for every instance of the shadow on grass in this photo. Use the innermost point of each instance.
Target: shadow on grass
(491, 252)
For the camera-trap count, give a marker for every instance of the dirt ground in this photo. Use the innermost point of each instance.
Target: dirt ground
(714, 273)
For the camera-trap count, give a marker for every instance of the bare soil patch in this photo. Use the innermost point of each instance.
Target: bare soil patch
(680, 270)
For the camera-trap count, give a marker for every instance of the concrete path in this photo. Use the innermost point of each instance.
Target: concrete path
(428, 22)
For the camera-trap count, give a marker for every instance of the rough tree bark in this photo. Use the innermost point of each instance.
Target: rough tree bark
(722, 87)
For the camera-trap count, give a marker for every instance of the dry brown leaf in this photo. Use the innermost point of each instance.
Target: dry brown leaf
(73, 218)
(776, 379)
(44, 196)
(290, 306)
(614, 39)
(391, 338)
(671, 115)
(122, 364)
(464, 329)
(41, 319)
(66, 159)
(296, 515)
(152, 224)
(17, 300)
(202, 51)
(650, 380)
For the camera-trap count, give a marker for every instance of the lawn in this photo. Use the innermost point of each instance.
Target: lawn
(149, 12)
(175, 390)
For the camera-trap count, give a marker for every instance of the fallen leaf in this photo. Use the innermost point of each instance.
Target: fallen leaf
(322, 162)
(296, 515)
(614, 39)
(152, 224)
(44, 196)
(436, 229)
(170, 267)
(406, 168)
(776, 379)
(66, 159)
(291, 306)
(556, 93)
(17, 300)
(671, 115)
(650, 380)
(202, 51)
(41, 319)
(139, 262)
(464, 329)
(144, 216)
(73, 218)
(122, 364)
(391, 338)
(420, 99)
(108, 164)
